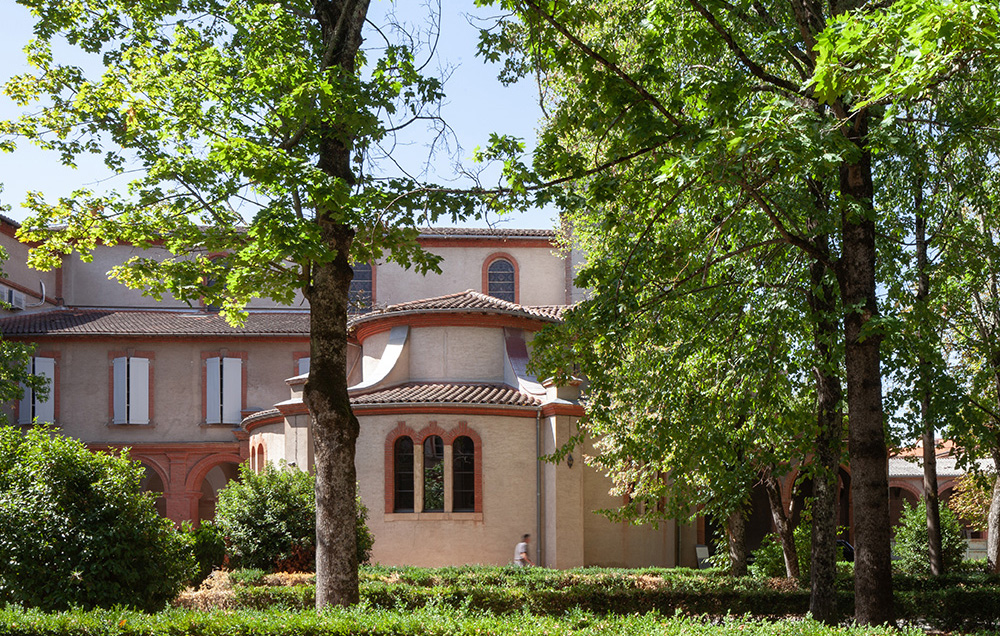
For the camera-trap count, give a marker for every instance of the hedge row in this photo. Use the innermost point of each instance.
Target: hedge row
(950, 603)
(371, 621)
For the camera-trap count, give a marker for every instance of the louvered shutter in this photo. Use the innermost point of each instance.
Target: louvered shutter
(138, 391)
(45, 411)
(232, 390)
(120, 383)
(213, 391)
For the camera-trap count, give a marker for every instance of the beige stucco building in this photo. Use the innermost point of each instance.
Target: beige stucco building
(452, 423)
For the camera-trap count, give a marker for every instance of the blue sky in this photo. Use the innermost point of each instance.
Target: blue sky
(476, 105)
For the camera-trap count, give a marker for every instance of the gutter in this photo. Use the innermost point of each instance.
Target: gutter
(538, 486)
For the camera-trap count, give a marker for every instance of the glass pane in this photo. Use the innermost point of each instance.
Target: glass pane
(500, 279)
(464, 475)
(360, 294)
(433, 474)
(403, 472)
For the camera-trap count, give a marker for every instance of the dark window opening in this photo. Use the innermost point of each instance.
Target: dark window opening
(403, 475)
(463, 475)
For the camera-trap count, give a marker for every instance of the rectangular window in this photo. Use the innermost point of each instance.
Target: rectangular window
(33, 407)
(131, 390)
(303, 366)
(223, 390)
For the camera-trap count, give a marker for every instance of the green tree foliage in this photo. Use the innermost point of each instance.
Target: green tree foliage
(247, 131)
(269, 520)
(75, 531)
(208, 546)
(970, 500)
(910, 541)
(690, 135)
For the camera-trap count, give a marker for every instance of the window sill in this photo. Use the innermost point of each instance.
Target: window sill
(227, 425)
(433, 516)
(131, 426)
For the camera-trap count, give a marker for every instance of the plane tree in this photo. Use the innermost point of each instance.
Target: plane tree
(243, 131)
(728, 93)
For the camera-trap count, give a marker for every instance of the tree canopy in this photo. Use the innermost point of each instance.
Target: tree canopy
(246, 130)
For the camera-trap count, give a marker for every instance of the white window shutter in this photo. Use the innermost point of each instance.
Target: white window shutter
(46, 411)
(232, 390)
(303, 366)
(24, 409)
(120, 384)
(213, 391)
(138, 411)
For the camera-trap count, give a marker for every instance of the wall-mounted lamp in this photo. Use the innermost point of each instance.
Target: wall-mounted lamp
(569, 460)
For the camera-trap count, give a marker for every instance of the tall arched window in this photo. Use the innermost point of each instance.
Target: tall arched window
(403, 475)
(433, 474)
(463, 471)
(500, 280)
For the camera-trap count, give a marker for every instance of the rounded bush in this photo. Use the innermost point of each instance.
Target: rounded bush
(75, 529)
(911, 547)
(209, 547)
(269, 520)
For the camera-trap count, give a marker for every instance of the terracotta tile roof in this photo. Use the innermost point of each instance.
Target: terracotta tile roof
(468, 301)
(486, 232)
(104, 322)
(447, 393)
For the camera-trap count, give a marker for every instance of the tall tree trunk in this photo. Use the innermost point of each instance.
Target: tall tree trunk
(869, 455)
(335, 428)
(993, 521)
(828, 444)
(927, 422)
(736, 533)
(781, 523)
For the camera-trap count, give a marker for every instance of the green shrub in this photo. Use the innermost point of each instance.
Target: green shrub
(269, 520)
(769, 559)
(911, 546)
(75, 530)
(209, 548)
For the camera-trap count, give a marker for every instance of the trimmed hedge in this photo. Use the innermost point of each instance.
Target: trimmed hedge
(428, 621)
(953, 602)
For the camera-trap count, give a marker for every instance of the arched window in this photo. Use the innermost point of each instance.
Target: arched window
(500, 280)
(433, 474)
(463, 472)
(403, 475)
(361, 293)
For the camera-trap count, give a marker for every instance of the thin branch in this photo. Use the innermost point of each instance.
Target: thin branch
(606, 63)
(755, 68)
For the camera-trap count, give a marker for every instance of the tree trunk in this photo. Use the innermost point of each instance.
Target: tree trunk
(993, 521)
(869, 455)
(335, 428)
(927, 422)
(781, 523)
(736, 527)
(828, 444)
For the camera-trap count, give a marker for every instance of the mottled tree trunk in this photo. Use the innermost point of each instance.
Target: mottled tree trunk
(736, 531)
(993, 520)
(335, 428)
(781, 523)
(869, 455)
(828, 445)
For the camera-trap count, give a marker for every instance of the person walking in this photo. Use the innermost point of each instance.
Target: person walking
(521, 558)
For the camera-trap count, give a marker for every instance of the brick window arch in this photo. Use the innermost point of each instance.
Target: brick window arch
(501, 277)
